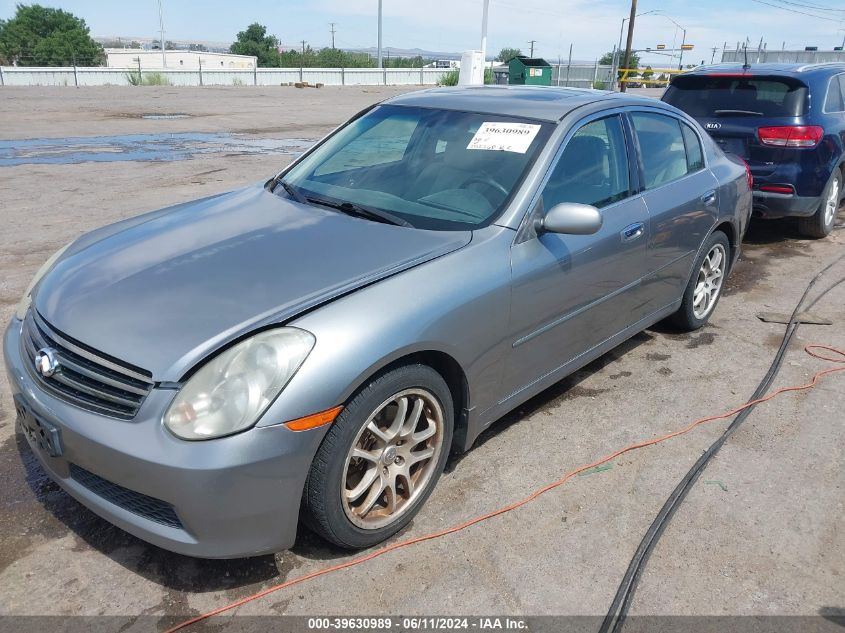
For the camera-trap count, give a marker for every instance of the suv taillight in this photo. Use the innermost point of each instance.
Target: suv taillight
(791, 135)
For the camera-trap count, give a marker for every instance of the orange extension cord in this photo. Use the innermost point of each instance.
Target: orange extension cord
(812, 350)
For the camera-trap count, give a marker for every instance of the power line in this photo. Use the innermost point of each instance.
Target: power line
(812, 15)
(811, 6)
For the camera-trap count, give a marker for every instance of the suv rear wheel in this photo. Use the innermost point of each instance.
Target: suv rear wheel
(820, 224)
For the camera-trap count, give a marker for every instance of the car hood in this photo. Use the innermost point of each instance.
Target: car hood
(165, 292)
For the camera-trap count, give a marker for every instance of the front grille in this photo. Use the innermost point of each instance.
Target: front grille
(84, 377)
(134, 502)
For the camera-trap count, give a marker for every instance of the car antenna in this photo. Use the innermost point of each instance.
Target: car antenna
(746, 65)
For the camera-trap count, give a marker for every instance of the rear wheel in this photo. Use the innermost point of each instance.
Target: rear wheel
(705, 286)
(381, 459)
(820, 224)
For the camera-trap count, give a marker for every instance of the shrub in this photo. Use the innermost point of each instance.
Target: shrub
(136, 78)
(155, 79)
(450, 78)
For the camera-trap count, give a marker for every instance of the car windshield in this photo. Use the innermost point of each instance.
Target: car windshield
(706, 96)
(432, 169)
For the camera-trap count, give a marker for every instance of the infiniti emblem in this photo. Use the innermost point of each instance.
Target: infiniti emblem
(46, 362)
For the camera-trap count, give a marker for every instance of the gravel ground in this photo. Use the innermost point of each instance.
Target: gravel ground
(760, 534)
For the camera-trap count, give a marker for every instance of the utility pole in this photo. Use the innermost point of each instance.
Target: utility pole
(532, 42)
(378, 64)
(713, 56)
(333, 32)
(161, 27)
(630, 40)
(484, 14)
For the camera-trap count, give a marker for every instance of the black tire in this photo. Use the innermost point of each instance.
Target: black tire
(322, 505)
(820, 224)
(685, 319)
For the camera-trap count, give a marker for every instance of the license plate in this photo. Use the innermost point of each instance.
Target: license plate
(41, 435)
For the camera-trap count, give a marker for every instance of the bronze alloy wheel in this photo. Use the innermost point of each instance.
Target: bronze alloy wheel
(392, 460)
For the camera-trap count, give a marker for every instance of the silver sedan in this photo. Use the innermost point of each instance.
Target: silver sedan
(316, 345)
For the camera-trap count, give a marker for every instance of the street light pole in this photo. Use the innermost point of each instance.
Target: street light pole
(379, 34)
(484, 14)
(683, 41)
(161, 27)
(618, 53)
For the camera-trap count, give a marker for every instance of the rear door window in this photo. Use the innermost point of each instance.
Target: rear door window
(662, 148)
(710, 96)
(834, 101)
(695, 157)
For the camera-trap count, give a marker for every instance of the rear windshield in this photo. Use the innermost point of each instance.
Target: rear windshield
(707, 96)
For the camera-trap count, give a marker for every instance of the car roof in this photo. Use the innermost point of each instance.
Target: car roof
(790, 70)
(546, 103)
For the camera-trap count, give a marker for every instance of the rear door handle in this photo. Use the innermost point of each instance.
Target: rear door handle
(709, 197)
(633, 231)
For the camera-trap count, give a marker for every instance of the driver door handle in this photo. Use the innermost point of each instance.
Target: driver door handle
(633, 231)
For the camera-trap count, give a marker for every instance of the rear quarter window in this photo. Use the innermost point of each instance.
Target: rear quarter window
(710, 96)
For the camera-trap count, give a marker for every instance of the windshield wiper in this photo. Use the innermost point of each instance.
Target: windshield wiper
(360, 211)
(292, 191)
(740, 112)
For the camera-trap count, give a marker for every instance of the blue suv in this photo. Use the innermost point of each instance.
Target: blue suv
(787, 121)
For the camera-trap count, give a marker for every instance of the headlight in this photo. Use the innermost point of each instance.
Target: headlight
(26, 300)
(231, 391)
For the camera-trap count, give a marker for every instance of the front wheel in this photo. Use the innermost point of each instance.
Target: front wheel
(820, 224)
(381, 459)
(705, 286)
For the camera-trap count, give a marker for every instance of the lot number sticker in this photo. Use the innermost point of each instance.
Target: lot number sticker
(504, 137)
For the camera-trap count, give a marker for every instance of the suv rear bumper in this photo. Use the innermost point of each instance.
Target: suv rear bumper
(780, 205)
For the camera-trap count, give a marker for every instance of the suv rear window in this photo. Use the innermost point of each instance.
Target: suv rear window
(708, 96)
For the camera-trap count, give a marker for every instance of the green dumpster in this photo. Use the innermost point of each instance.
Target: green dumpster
(529, 71)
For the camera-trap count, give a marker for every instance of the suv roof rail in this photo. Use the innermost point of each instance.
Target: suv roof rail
(815, 65)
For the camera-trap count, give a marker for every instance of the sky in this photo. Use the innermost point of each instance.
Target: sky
(590, 26)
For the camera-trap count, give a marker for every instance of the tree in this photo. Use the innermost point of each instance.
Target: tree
(607, 59)
(255, 41)
(507, 54)
(42, 36)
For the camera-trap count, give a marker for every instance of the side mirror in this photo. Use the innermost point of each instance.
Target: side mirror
(571, 218)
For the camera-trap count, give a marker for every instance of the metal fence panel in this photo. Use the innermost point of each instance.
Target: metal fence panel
(581, 75)
(784, 57)
(102, 76)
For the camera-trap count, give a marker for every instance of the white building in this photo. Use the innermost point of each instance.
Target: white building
(176, 59)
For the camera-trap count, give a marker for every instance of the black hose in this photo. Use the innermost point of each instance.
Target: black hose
(621, 604)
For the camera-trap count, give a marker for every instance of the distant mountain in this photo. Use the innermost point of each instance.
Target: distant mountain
(405, 52)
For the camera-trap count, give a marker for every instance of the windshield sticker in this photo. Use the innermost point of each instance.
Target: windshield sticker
(504, 137)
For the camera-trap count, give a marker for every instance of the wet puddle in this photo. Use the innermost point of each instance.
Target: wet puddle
(141, 147)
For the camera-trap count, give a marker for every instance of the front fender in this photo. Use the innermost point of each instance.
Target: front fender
(458, 305)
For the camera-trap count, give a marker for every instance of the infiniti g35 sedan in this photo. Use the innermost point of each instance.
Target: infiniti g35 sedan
(313, 347)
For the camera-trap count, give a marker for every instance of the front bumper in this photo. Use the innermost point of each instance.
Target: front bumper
(233, 497)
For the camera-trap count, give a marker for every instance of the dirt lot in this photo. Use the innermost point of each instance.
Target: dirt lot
(761, 533)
